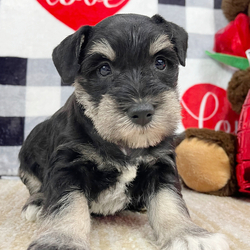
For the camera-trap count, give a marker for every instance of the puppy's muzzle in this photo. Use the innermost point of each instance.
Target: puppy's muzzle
(141, 114)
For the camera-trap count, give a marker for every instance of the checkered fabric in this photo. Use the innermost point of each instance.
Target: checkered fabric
(30, 87)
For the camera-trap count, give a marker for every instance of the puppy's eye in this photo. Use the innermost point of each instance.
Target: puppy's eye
(160, 63)
(105, 70)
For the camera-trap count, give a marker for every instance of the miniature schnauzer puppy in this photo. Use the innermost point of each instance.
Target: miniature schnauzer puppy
(110, 147)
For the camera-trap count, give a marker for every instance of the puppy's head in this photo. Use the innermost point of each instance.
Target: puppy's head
(125, 72)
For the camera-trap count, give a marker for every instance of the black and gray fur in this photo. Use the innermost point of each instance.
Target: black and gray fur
(110, 147)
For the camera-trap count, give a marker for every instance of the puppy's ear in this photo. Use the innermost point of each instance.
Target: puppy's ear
(177, 35)
(66, 55)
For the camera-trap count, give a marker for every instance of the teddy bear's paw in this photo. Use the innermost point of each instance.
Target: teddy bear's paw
(190, 242)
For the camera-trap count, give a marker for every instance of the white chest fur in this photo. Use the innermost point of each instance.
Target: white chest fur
(115, 198)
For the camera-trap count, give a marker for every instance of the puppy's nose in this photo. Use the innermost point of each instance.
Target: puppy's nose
(141, 113)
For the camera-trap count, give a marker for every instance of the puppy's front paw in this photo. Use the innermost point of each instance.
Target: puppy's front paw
(207, 241)
(44, 246)
(50, 242)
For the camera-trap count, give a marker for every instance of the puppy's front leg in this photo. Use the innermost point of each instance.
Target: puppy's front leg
(65, 226)
(173, 227)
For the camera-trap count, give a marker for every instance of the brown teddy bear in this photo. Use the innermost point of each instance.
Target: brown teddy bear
(231, 8)
(238, 88)
(206, 159)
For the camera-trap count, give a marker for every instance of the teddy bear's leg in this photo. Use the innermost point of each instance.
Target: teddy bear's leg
(206, 161)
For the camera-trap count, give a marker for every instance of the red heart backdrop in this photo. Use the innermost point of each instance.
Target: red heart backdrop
(75, 13)
(206, 106)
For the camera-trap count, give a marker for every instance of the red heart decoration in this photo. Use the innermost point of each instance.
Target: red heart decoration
(206, 106)
(75, 13)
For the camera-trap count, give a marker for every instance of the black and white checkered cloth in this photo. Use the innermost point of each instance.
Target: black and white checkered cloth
(30, 87)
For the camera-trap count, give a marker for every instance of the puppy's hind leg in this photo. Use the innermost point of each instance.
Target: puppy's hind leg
(32, 209)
